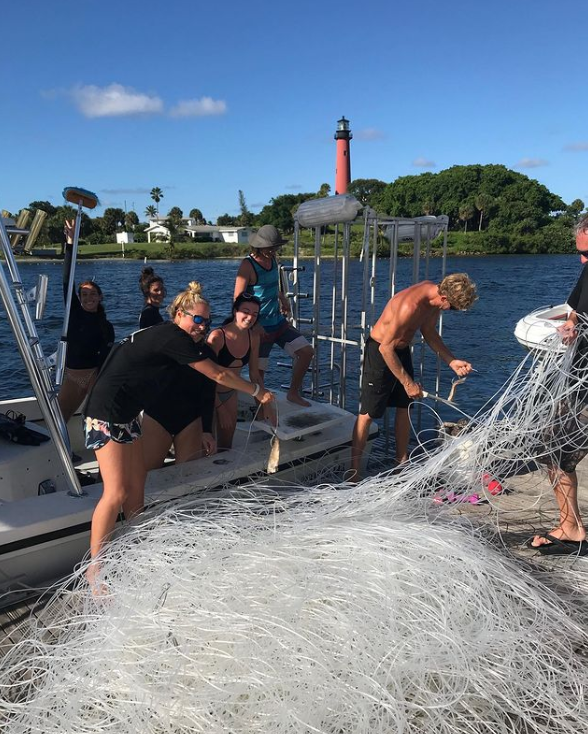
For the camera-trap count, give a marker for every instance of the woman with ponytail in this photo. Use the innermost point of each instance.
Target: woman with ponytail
(138, 372)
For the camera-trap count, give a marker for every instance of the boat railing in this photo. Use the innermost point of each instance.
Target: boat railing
(16, 305)
(336, 335)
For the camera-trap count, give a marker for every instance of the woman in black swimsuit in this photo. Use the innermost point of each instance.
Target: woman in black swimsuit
(135, 372)
(235, 344)
(153, 291)
(181, 411)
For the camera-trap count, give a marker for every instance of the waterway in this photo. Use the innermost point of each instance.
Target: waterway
(508, 286)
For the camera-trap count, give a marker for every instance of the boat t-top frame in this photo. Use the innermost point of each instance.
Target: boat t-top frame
(334, 325)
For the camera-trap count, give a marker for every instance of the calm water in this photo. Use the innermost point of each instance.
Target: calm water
(509, 287)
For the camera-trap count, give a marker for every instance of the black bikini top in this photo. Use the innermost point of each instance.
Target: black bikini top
(226, 359)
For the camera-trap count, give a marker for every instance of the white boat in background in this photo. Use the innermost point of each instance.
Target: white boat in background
(536, 330)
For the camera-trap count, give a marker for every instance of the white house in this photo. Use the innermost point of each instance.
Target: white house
(235, 235)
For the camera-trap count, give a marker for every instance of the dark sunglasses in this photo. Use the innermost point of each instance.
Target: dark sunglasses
(197, 319)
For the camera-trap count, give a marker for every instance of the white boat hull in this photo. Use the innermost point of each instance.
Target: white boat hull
(43, 536)
(536, 330)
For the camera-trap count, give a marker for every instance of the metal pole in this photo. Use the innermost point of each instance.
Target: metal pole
(334, 303)
(316, 310)
(344, 307)
(62, 346)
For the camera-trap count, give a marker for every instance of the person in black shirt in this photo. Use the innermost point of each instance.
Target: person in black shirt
(135, 372)
(570, 436)
(89, 336)
(153, 291)
(182, 410)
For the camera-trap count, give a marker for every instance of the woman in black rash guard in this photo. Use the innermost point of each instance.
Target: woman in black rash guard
(182, 411)
(153, 291)
(136, 372)
(89, 336)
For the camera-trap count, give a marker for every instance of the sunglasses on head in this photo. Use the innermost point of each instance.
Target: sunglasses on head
(197, 319)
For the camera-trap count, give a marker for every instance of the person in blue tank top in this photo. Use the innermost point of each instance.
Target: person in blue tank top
(259, 275)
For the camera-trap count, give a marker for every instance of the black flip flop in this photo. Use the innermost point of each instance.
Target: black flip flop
(561, 547)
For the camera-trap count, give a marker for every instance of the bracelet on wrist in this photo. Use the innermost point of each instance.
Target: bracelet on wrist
(255, 393)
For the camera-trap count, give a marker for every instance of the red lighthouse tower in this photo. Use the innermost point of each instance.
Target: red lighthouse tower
(343, 169)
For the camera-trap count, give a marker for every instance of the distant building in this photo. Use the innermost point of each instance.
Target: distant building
(157, 230)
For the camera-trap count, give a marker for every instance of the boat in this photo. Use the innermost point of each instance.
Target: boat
(47, 499)
(44, 524)
(537, 330)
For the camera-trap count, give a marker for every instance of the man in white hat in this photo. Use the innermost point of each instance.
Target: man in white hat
(259, 275)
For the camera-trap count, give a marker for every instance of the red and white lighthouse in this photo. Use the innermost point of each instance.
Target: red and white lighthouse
(343, 169)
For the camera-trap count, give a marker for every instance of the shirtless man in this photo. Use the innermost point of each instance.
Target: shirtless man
(388, 377)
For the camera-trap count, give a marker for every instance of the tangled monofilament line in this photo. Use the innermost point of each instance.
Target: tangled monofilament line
(340, 609)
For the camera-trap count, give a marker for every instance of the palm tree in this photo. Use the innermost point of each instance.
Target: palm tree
(157, 196)
(483, 203)
(150, 211)
(466, 212)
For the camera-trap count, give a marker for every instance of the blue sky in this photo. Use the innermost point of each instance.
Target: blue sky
(203, 99)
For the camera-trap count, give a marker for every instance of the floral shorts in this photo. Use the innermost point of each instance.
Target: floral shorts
(99, 433)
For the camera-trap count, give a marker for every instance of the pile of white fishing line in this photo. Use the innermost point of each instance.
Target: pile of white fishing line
(353, 609)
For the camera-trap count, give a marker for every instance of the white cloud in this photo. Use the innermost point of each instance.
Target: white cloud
(581, 145)
(203, 107)
(114, 101)
(370, 134)
(423, 163)
(531, 163)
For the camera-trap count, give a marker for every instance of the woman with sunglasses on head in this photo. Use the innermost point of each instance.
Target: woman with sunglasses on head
(236, 344)
(89, 335)
(139, 370)
(153, 291)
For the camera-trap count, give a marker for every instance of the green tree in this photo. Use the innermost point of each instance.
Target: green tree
(574, 208)
(112, 219)
(366, 190)
(246, 217)
(225, 220)
(157, 196)
(175, 215)
(131, 220)
(150, 211)
(197, 215)
(466, 212)
(280, 210)
(483, 202)
(43, 205)
(324, 191)
(429, 206)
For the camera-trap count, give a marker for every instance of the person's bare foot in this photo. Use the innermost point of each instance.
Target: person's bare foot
(541, 540)
(294, 396)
